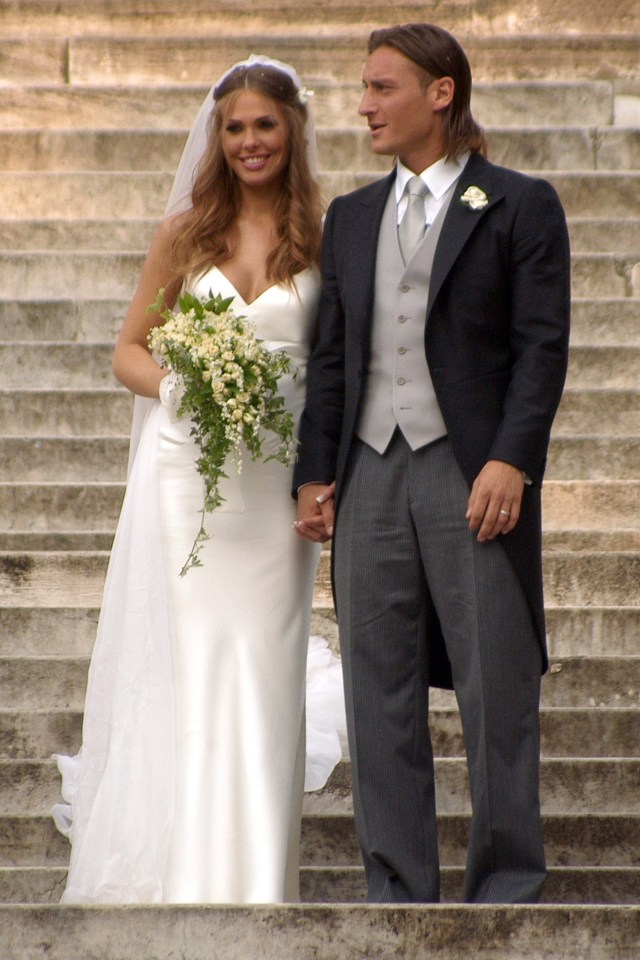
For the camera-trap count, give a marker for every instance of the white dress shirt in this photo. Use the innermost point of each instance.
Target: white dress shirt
(437, 178)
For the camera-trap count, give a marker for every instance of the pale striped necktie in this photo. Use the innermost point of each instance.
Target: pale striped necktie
(412, 226)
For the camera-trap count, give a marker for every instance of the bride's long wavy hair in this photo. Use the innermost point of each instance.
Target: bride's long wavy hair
(204, 237)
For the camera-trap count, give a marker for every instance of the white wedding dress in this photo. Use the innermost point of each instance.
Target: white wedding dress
(188, 786)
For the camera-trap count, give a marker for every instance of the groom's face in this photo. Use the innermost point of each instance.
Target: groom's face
(402, 108)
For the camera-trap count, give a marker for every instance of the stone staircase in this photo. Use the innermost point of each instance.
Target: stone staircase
(95, 103)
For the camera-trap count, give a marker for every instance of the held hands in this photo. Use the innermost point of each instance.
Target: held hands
(315, 512)
(495, 499)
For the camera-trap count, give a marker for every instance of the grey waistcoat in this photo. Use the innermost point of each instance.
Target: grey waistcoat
(398, 389)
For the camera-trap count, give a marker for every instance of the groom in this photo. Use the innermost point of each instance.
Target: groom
(438, 365)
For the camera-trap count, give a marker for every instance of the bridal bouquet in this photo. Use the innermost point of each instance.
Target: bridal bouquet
(230, 390)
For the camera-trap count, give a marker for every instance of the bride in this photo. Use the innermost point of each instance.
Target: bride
(188, 786)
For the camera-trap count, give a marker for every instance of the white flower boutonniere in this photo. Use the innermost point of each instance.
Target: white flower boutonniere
(474, 198)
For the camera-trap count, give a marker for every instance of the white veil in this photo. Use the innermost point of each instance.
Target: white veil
(180, 194)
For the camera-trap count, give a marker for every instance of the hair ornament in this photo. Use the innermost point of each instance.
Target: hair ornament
(304, 95)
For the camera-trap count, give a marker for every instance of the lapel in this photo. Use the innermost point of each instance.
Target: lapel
(364, 228)
(461, 220)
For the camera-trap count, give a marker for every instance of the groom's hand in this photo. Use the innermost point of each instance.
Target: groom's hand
(495, 499)
(315, 512)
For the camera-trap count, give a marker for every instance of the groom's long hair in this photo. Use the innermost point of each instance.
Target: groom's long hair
(437, 54)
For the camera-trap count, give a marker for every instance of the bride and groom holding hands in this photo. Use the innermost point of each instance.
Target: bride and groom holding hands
(428, 326)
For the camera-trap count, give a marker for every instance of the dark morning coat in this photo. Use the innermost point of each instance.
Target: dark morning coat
(496, 340)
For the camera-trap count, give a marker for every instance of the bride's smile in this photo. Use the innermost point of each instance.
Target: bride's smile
(255, 139)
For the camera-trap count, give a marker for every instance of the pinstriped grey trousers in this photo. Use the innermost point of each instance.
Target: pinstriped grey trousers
(404, 556)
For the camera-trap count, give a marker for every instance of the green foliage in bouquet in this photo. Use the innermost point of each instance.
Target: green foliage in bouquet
(230, 390)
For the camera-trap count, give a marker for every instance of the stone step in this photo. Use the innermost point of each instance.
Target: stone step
(340, 885)
(34, 18)
(612, 412)
(54, 631)
(93, 540)
(59, 579)
(571, 148)
(578, 514)
(588, 235)
(37, 733)
(104, 459)
(87, 365)
(592, 234)
(348, 885)
(594, 631)
(329, 932)
(63, 274)
(330, 55)
(594, 321)
(580, 505)
(593, 540)
(604, 840)
(34, 732)
(568, 785)
(65, 412)
(36, 508)
(130, 234)
(81, 365)
(572, 686)
(106, 195)
(100, 320)
(605, 577)
(593, 458)
(68, 412)
(602, 367)
(69, 459)
(171, 107)
(32, 630)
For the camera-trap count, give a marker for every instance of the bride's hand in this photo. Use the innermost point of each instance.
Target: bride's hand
(315, 512)
(171, 391)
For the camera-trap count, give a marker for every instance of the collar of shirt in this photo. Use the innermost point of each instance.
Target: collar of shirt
(438, 178)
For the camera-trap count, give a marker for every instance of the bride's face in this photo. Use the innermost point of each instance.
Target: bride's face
(255, 138)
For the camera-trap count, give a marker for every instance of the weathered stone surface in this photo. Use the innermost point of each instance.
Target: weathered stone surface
(63, 274)
(339, 56)
(603, 840)
(292, 932)
(172, 108)
(586, 504)
(33, 60)
(86, 169)
(50, 508)
(64, 460)
(594, 458)
(194, 17)
(598, 410)
(65, 412)
(104, 459)
(606, 321)
(579, 785)
(62, 320)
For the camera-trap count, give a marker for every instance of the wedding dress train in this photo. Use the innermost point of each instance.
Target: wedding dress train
(188, 786)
